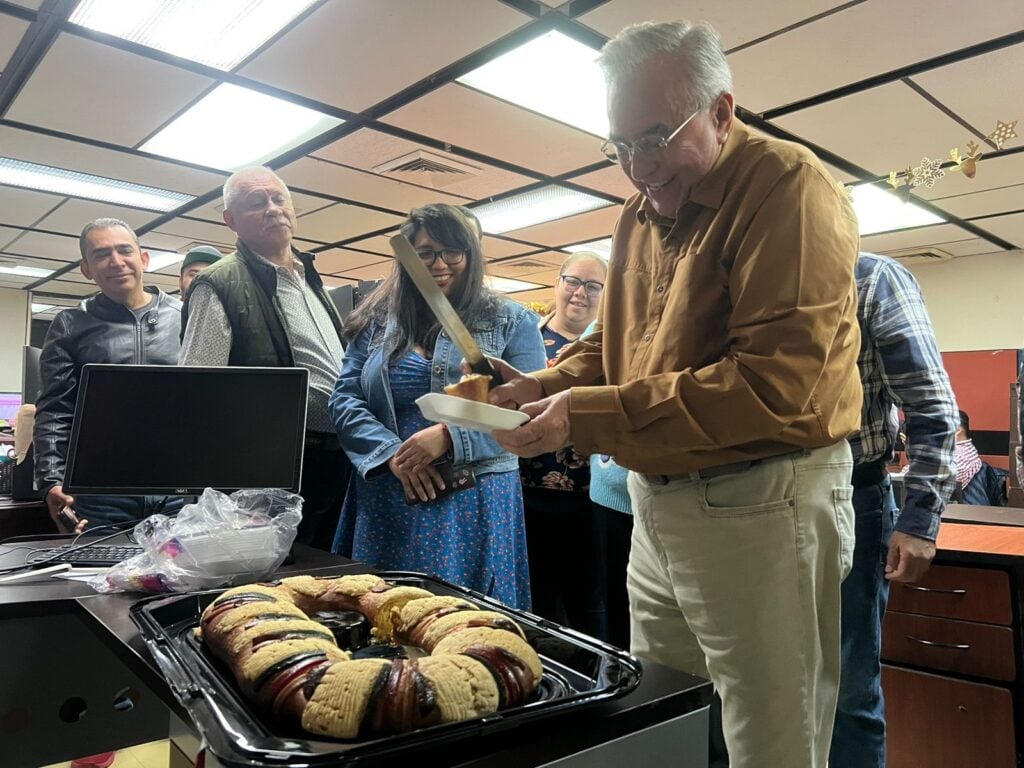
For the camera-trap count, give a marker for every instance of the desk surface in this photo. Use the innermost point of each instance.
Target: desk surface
(997, 540)
(663, 693)
(972, 513)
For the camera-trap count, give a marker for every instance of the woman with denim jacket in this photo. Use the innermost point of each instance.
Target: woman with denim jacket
(397, 352)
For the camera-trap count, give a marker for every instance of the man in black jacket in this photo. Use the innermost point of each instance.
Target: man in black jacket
(126, 322)
(266, 305)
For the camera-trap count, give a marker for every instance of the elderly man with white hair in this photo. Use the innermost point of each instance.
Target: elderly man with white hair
(265, 305)
(723, 374)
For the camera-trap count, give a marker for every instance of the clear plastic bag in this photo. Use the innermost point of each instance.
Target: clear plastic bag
(219, 541)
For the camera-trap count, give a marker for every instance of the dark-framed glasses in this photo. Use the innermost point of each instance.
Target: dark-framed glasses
(572, 284)
(449, 255)
(645, 146)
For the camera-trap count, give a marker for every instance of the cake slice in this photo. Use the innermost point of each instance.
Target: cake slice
(472, 386)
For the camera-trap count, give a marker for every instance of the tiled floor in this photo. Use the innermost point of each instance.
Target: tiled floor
(156, 754)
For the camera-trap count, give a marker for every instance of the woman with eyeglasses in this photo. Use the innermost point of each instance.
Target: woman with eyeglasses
(400, 513)
(565, 561)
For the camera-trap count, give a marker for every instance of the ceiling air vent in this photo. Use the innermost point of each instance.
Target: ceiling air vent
(434, 169)
(920, 255)
(533, 266)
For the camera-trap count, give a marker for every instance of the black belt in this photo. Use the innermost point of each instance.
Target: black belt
(322, 441)
(722, 469)
(865, 475)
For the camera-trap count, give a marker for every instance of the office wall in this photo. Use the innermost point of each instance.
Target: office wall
(13, 323)
(975, 302)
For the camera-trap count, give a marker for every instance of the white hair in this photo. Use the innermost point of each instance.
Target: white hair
(232, 187)
(697, 47)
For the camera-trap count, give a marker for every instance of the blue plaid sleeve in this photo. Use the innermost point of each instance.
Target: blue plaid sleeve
(911, 371)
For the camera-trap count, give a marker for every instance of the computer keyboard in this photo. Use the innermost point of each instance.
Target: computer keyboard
(87, 556)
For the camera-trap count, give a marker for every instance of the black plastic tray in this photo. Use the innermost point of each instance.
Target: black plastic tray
(578, 671)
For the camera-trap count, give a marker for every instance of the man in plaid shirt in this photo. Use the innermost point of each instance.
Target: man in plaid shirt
(900, 367)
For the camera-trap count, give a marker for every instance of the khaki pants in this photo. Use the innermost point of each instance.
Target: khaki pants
(737, 578)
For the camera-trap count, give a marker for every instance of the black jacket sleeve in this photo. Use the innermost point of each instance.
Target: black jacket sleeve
(55, 408)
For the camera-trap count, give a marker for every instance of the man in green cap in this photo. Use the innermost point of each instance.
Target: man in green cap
(195, 261)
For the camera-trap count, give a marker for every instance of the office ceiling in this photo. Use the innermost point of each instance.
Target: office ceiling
(872, 85)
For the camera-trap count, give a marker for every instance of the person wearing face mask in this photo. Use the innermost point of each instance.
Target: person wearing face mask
(563, 575)
(265, 305)
(397, 352)
(723, 374)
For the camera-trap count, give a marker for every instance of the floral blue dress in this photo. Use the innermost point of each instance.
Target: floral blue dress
(474, 538)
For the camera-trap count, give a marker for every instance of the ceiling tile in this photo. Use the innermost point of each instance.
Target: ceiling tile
(218, 235)
(75, 156)
(592, 225)
(936, 234)
(884, 129)
(54, 247)
(497, 248)
(467, 118)
(977, 88)
(7, 234)
(737, 23)
(377, 271)
(542, 295)
(611, 180)
(319, 176)
(367, 149)
(408, 42)
(11, 31)
(1010, 228)
(340, 222)
(75, 214)
(863, 40)
(24, 207)
(342, 260)
(70, 74)
(534, 264)
(1000, 200)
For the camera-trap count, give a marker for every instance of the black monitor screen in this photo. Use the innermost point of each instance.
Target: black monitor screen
(178, 430)
(30, 382)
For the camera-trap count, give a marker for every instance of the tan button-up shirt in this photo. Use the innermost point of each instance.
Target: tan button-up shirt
(729, 333)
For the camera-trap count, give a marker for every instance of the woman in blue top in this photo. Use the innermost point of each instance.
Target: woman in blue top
(397, 352)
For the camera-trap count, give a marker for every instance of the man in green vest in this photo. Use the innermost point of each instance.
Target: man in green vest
(265, 305)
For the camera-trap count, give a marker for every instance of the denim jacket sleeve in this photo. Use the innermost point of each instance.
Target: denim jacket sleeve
(518, 342)
(366, 440)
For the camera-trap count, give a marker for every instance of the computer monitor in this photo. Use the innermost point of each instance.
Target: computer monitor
(10, 402)
(170, 430)
(31, 382)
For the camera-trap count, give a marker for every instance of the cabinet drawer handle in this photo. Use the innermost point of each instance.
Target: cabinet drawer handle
(940, 591)
(933, 644)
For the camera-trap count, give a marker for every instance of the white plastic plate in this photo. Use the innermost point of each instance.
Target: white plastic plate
(459, 412)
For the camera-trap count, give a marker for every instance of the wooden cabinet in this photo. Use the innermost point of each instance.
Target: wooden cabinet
(950, 653)
(937, 721)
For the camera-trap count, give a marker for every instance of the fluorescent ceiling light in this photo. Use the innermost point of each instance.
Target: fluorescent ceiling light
(554, 75)
(879, 210)
(600, 247)
(160, 259)
(218, 33)
(535, 207)
(18, 173)
(24, 271)
(40, 308)
(232, 127)
(508, 285)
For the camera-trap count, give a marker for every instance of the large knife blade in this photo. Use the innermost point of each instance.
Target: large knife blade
(442, 308)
